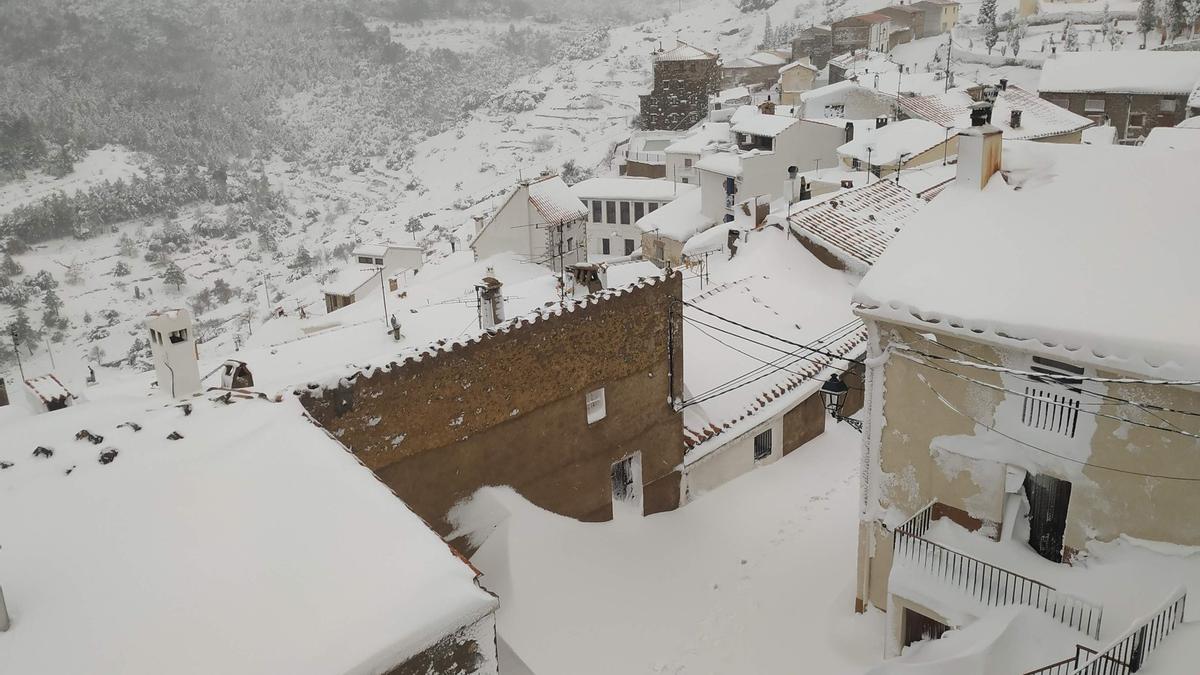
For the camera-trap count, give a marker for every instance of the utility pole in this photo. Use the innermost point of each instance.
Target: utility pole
(267, 293)
(383, 294)
(16, 350)
(949, 49)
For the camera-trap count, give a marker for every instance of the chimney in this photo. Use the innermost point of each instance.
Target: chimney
(1014, 119)
(981, 113)
(881, 122)
(1003, 84)
(478, 223)
(490, 300)
(767, 107)
(173, 346)
(849, 131)
(847, 183)
(979, 151)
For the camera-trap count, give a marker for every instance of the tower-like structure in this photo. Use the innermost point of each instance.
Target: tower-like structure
(173, 344)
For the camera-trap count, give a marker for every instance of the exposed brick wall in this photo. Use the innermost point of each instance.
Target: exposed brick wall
(1118, 108)
(510, 410)
(681, 93)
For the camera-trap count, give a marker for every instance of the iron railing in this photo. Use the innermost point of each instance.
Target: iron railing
(1128, 653)
(646, 156)
(991, 585)
(1066, 666)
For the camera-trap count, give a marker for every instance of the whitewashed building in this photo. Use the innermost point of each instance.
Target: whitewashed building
(614, 205)
(541, 220)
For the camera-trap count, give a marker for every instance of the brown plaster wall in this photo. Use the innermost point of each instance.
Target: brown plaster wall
(510, 410)
(803, 423)
(640, 170)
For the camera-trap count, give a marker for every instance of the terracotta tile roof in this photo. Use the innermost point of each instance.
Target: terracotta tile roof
(1039, 118)
(48, 388)
(555, 201)
(858, 224)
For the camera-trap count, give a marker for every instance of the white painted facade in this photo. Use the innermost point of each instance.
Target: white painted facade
(518, 227)
(173, 345)
(733, 457)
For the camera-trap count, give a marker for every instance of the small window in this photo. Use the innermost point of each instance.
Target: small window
(1167, 105)
(654, 206)
(595, 406)
(1137, 120)
(365, 260)
(178, 336)
(682, 180)
(610, 209)
(570, 243)
(379, 261)
(639, 210)
(687, 163)
(597, 212)
(628, 247)
(604, 247)
(1093, 105)
(624, 213)
(762, 445)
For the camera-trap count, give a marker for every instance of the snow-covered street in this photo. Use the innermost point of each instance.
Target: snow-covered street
(755, 577)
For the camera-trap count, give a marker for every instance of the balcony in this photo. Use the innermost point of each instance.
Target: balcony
(982, 583)
(645, 156)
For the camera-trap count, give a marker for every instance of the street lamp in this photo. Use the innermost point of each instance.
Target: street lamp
(833, 394)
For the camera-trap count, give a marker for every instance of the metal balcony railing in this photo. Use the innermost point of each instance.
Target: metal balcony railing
(987, 583)
(646, 157)
(1127, 653)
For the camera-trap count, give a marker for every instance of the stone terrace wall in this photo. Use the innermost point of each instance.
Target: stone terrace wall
(509, 409)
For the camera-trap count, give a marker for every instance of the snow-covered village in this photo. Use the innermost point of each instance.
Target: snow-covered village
(599, 337)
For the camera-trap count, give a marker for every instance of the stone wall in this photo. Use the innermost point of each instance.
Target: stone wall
(1119, 108)
(681, 93)
(469, 651)
(509, 409)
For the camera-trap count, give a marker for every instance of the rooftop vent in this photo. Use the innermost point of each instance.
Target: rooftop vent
(1014, 119)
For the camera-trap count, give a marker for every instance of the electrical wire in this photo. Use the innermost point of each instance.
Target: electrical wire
(1043, 450)
(766, 334)
(1039, 378)
(1047, 376)
(772, 367)
(1041, 398)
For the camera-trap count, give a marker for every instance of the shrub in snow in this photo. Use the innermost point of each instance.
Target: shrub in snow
(23, 330)
(17, 296)
(10, 267)
(517, 101)
(754, 5)
(42, 281)
(543, 143)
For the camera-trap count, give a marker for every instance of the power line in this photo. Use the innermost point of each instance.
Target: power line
(774, 337)
(1041, 379)
(779, 349)
(733, 384)
(1048, 376)
(1042, 398)
(1043, 450)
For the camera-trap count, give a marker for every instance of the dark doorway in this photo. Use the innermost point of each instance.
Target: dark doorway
(919, 627)
(1048, 500)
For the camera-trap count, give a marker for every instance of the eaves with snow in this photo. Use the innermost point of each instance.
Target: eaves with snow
(231, 537)
(1079, 251)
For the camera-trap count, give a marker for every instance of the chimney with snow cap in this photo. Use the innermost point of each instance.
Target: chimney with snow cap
(849, 131)
(1014, 119)
(490, 300)
(979, 151)
(173, 346)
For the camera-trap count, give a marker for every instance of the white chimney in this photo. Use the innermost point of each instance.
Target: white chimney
(173, 345)
(4, 622)
(979, 152)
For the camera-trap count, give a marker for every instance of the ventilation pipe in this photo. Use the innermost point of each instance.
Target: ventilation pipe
(849, 131)
(1014, 119)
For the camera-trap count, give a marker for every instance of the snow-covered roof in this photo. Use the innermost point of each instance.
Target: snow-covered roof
(651, 189)
(769, 283)
(887, 144)
(1047, 260)
(697, 141)
(624, 273)
(733, 94)
(919, 179)
(685, 52)
(724, 163)
(1134, 72)
(1173, 138)
(48, 388)
(757, 60)
(678, 220)
(870, 17)
(857, 225)
(1039, 118)
(380, 248)
(1105, 135)
(347, 282)
(252, 544)
(1189, 123)
(762, 124)
(805, 64)
(830, 93)
(554, 200)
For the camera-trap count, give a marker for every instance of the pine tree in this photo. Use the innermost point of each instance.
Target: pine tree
(1015, 33)
(222, 291)
(987, 19)
(24, 331)
(10, 267)
(173, 276)
(303, 260)
(768, 34)
(1145, 19)
(126, 246)
(1174, 17)
(121, 269)
(1070, 37)
(52, 303)
(413, 226)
